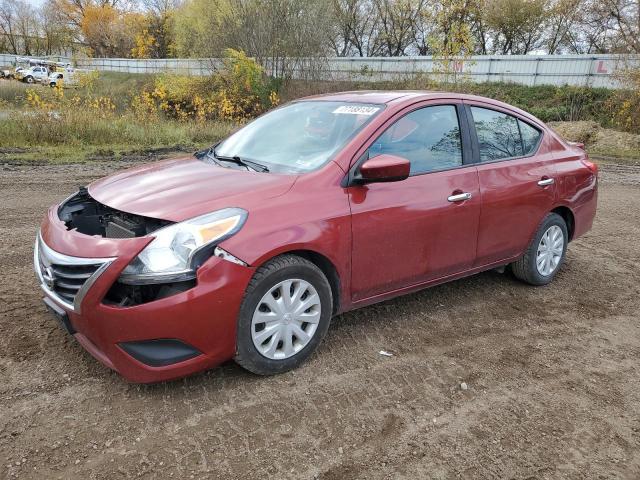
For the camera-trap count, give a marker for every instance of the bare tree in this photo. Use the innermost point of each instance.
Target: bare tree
(617, 25)
(398, 19)
(8, 25)
(517, 26)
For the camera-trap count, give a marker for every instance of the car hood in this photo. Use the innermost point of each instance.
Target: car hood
(176, 190)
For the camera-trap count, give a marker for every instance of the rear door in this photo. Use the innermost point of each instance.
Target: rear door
(425, 227)
(516, 175)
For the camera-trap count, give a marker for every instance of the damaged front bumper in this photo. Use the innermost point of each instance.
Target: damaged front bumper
(184, 332)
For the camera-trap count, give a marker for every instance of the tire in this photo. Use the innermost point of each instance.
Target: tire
(28, 79)
(279, 355)
(527, 269)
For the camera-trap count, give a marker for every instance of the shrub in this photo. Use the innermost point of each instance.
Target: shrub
(239, 91)
(625, 104)
(73, 118)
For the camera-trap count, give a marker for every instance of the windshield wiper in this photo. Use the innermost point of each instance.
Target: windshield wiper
(258, 167)
(209, 155)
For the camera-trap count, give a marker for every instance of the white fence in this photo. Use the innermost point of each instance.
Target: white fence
(585, 70)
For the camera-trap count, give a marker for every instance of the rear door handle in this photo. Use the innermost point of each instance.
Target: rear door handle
(546, 181)
(459, 197)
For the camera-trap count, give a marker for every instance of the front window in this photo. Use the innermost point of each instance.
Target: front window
(299, 137)
(428, 137)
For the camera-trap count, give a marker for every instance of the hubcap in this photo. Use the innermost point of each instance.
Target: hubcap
(550, 250)
(285, 319)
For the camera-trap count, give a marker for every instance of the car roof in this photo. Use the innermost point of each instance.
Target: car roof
(396, 96)
(373, 96)
(399, 97)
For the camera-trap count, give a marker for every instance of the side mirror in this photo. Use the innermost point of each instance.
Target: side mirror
(383, 168)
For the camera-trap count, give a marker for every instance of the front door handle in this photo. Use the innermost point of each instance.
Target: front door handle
(459, 197)
(546, 181)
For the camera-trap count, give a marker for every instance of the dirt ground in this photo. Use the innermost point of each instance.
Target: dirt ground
(552, 376)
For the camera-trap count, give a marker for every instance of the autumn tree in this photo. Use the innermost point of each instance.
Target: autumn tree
(18, 26)
(155, 38)
(517, 25)
(451, 41)
(277, 33)
(283, 33)
(107, 27)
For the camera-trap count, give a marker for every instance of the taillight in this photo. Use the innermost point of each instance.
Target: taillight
(591, 166)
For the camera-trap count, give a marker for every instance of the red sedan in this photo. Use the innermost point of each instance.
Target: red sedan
(321, 206)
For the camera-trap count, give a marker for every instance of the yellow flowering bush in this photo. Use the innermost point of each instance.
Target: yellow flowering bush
(102, 107)
(54, 100)
(625, 104)
(239, 91)
(34, 100)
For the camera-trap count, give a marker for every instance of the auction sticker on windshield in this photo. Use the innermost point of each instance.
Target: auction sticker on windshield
(356, 109)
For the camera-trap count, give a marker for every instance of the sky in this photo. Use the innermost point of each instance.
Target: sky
(35, 3)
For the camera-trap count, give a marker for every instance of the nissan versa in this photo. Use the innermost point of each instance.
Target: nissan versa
(323, 205)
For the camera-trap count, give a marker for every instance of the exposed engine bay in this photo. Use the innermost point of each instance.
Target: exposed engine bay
(86, 215)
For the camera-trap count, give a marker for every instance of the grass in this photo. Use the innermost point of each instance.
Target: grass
(120, 87)
(601, 142)
(82, 136)
(64, 132)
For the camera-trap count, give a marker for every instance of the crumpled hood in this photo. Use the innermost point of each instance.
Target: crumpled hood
(176, 190)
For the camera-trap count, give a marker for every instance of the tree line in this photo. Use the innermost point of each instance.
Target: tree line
(270, 30)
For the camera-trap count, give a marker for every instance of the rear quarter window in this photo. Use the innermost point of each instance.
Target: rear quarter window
(530, 137)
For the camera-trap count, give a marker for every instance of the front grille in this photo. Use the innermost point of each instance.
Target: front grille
(66, 278)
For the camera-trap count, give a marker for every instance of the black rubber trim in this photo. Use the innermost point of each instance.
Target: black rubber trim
(60, 315)
(465, 135)
(160, 352)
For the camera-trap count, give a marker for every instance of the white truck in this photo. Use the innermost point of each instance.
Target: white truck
(33, 74)
(64, 77)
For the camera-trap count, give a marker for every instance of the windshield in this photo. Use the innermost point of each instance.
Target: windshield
(299, 137)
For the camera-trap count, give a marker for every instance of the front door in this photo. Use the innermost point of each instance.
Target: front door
(424, 227)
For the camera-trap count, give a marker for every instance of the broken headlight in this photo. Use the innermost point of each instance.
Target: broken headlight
(177, 250)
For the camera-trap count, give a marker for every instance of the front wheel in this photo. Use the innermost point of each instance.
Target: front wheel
(545, 254)
(29, 79)
(284, 315)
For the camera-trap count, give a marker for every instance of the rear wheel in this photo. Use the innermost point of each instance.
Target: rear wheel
(545, 254)
(28, 79)
(284, 315)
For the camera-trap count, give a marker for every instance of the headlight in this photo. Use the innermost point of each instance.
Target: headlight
(176, 250)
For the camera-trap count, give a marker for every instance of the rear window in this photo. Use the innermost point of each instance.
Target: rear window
(502, 136)
(498, 134)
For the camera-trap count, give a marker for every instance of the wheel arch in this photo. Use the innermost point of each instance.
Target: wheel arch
(323, 263)
(569, 218)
